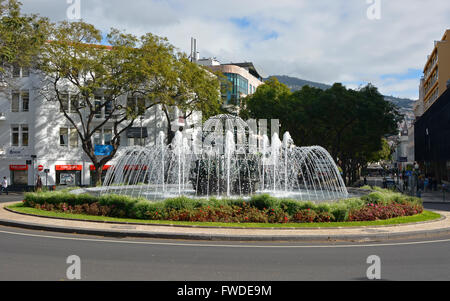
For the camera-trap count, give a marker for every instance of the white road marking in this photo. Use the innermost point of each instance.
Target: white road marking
(228, 246)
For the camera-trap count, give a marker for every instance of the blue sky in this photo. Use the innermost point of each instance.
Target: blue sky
(324, 40)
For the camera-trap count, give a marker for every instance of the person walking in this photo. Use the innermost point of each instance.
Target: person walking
(4, 186)
(39, 184)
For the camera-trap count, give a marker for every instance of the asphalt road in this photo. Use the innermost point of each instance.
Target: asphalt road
(33, 255)
(37, 255)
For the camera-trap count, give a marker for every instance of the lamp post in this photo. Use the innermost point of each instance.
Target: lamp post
(34, 157)
(141, 118)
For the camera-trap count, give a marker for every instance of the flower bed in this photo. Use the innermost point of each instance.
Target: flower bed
(378, 205)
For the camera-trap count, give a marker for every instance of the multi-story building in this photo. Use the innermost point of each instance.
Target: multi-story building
(35, 136)
(432, 139)
(36, 139)
(436, 71)
(244, 79)
(432, 126)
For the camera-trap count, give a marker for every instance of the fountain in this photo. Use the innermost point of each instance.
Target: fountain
(222, 161)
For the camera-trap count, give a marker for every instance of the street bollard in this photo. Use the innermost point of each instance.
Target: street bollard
(443, 192)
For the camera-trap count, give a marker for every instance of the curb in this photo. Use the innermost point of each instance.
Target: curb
(206, 237)
(217, 237)
(219, 227)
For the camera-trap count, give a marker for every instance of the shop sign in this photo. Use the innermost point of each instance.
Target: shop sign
(69, 167)
(17, 152)
(103, 150)
(106, 167)
(18, 167)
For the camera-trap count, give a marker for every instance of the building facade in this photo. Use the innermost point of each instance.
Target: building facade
(432, 139)
(244, 79)
(36, 139)
(432, 112)
(436, 71)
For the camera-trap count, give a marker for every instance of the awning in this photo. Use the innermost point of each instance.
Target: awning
(106, 167)
(69, 167)
(137, 133)
(18, 167)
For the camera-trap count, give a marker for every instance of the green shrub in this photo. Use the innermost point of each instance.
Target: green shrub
(260, 208)
(378, 198)
(264, 201)
(179, 203)
(290, 206)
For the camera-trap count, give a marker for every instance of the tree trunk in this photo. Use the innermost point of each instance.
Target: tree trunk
(97, 175)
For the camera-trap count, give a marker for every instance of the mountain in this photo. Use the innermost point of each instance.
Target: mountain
(295, 83)
(405, 105)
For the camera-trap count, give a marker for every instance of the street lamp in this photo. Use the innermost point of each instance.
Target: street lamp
(141, 118)
(34, 157)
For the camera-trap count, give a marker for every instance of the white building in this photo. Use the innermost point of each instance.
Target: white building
(35, 136)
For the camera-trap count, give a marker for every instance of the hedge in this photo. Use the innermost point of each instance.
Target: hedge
(259, 207)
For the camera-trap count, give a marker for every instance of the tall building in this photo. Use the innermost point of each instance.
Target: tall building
(244, 79)
(35, 136)
(436, 72)
(432, 126)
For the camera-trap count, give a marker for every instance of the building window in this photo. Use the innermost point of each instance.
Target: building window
(64, 105)
(68, 137)
(15, 71)
(74, 103)
(64, 137)
(136, 105)
(24, 135)
(107, 134)
(20, 101)
(25, 72)
(15, 135)
(25, 101)
(73, 138)
(69, 103)
(103, 137)
(98, 110)
(240, 86)
(19, 135)
(108, 108)
(15, 104)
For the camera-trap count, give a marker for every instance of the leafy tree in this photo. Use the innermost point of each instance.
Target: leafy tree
(267, 102)
(137, 68)
(21, 36)
(349, 124)
(196, 89)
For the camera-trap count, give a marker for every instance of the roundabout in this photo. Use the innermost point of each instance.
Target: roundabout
(127, 252)
(427, 229)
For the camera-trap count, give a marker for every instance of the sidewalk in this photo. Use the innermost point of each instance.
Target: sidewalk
(360, 234)
(435, 197)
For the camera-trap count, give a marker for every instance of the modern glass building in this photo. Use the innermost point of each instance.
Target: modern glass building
(243, 77)
(239, 87)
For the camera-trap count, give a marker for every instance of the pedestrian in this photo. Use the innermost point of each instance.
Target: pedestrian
(4, 186)
(426, 184)
(39, 184)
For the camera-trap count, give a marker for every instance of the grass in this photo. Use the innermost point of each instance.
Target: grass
(425, 216)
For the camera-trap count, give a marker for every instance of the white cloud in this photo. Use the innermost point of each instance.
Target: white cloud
(326, 41)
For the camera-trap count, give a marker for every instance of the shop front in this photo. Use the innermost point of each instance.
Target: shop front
(19, 175)
(68, 175)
